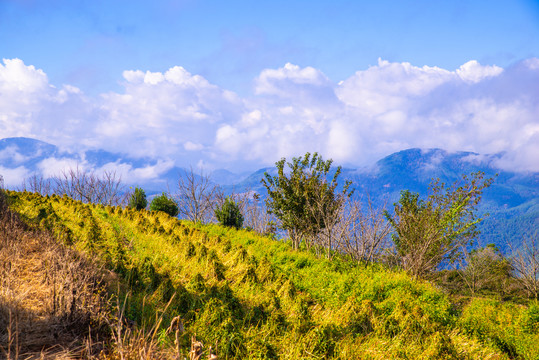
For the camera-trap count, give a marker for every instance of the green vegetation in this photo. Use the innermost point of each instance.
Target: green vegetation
(252, 297)
(165, 204)
(229, 214)
(138, 200)
(428, 232)
(302, 198)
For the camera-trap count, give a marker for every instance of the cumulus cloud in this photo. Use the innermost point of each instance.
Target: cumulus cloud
(392, 106)
(52, 167)
(183, 119)
(17, 77)
(473, 72)
(11, 154)
(165, 114)
(31, 107)
(279, 81)
(389, 85)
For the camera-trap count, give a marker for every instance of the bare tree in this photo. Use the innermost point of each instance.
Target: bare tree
(88, 187)
(109, 189)
(327, 232)
(196, 196)
(37, 183)
(75, 184)
(348, 229)
(256, 215)
(525, 263)
(365, 233)
(485, 267)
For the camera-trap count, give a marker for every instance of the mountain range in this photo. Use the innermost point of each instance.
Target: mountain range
(512, 201)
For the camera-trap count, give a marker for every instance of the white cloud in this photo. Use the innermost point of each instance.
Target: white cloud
(11, 153)
(278, 81)
(31, 107)
(473, 72)
(388, 86)
(17, 77)
(133, 76)
(191, 146)
(137, 175)
(163, 115)
(53, 166)
(13, 177)
(532, 64)
(176, 115)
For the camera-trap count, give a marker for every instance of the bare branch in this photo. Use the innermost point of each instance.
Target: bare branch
(196, 196)
(37, 183)
(525, 263)
(90, 188)
(365, 234)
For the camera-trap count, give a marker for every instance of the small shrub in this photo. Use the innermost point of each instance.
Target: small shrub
(248, 275)
(216, 267)
(165, 204)
(229, 214)
(138, 199)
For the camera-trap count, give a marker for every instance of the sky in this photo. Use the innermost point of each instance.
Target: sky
(240, 84)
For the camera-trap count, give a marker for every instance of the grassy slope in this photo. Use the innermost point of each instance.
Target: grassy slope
(253, 297)
(50, 295)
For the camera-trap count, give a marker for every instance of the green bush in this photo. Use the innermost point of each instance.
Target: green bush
(138, 199)
(165, 204)
(229, 214)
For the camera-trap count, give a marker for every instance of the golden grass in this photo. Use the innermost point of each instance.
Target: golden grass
(50, 295)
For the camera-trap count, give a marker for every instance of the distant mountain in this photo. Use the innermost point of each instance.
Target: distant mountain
(36, 156)
(512, 201)
(225, 177)
(15, 152)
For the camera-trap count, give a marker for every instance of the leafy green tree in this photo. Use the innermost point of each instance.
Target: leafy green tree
(292, 192)
(427, 232)
(138, 199)
(229, 214)
(165, 204)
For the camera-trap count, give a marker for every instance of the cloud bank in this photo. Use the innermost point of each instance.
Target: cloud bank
(182, 119)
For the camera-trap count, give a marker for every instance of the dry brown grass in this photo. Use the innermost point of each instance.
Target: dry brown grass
(54, 304)
(52, 299)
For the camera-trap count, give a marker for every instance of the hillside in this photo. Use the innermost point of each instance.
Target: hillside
(50, 294)
(253, 297)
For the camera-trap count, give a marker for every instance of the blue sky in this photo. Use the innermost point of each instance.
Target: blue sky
(250, 81)
(89, 43)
